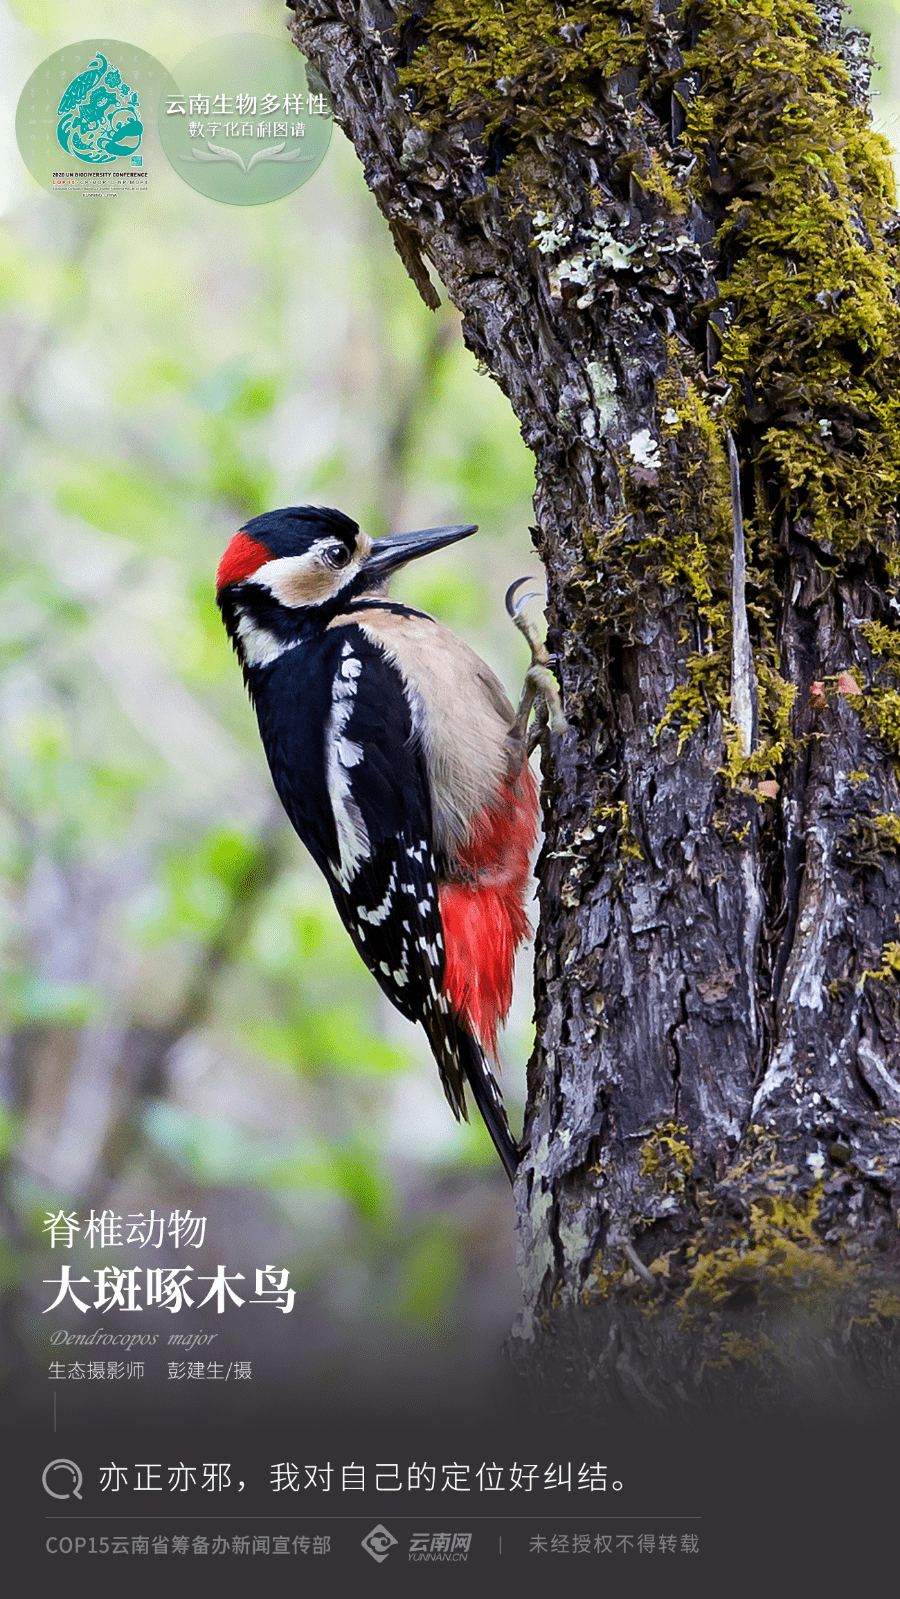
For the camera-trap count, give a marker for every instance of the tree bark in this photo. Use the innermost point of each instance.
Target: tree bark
(669, 234)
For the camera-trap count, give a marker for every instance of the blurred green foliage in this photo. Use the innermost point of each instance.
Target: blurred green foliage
(174, 366)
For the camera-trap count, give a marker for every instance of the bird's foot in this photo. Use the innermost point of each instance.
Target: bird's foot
(539, 683)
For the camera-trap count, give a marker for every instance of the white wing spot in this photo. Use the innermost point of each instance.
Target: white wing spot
(341, 755)
(383, 909)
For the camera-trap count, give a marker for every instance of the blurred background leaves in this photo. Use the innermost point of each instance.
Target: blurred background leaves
(186, 1023)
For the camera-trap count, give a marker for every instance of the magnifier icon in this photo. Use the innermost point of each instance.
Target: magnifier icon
(63, 1465)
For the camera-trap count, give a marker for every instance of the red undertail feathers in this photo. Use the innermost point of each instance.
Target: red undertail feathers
(483, 909)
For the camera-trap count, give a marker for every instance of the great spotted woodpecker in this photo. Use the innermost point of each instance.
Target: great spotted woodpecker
(402, 766)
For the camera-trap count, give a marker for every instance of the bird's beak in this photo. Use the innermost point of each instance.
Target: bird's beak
(387, 554)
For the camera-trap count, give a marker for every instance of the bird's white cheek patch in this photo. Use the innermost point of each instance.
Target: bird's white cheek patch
(260, 647)
(299, 580)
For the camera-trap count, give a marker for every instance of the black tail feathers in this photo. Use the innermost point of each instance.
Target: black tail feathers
(486, 1095)
(460, 1059)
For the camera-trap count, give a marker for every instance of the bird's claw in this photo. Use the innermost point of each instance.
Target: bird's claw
(538, 682)
(514, 606)
(516, 609)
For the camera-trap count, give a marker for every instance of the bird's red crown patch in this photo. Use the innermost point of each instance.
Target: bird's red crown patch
(243, 557)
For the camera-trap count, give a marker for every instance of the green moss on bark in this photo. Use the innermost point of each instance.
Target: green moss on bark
(813, 350)
(521, 64)
(808, 326)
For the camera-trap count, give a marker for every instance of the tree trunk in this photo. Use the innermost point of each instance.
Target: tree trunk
(669, 235)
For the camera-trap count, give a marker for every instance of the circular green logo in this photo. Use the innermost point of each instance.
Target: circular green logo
(86, 119)
(248, 120)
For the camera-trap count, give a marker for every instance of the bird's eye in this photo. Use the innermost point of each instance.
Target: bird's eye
(337, 555)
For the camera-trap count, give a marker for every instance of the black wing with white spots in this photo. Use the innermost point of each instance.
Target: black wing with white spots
(383, 874)
(359, 800)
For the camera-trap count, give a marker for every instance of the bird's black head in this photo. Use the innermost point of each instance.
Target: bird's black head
(305, 563)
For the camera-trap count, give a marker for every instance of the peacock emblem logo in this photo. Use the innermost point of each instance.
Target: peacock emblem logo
(98, 116)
